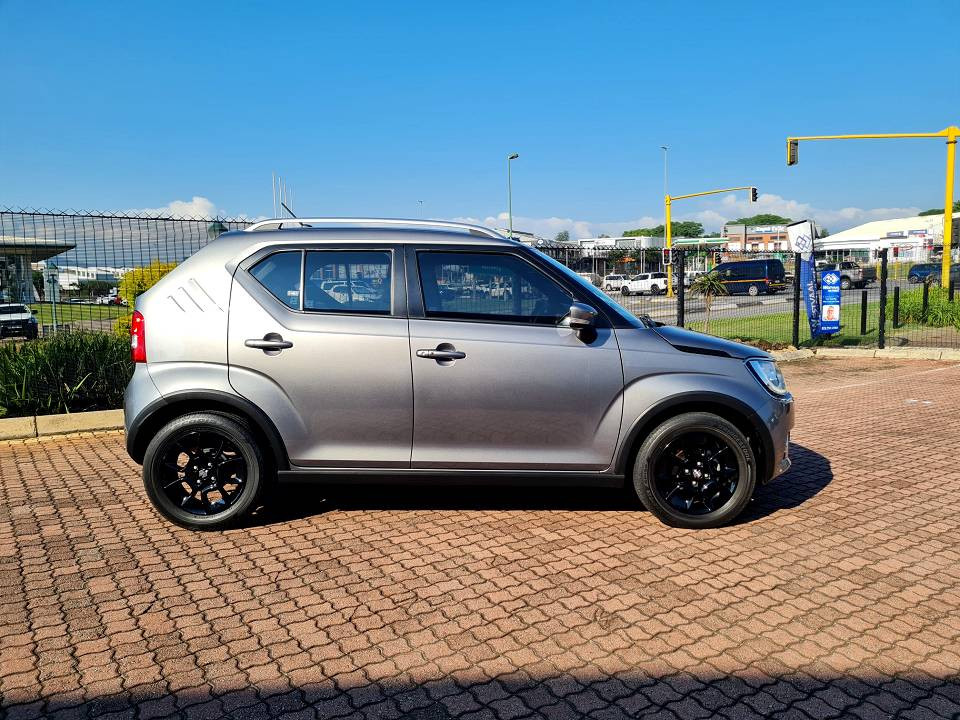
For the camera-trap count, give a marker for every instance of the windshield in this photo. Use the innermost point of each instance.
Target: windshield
(12, 309)
(605, 300)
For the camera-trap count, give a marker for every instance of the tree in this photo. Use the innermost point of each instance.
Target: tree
(91, 288)
(939, 211)
(38, 282)
(562, 237)
(686, 228)
(762, 219)
(709, 286)
(616, 257)
(137, 281)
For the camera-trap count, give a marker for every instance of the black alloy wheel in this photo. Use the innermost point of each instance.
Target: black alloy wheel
(696, 473)
(204, 470)
(695, 470)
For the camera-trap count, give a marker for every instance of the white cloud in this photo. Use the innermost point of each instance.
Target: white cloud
(732, 206)
(198, 207)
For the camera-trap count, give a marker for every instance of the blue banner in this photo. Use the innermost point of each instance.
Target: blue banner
(829, 302)
(801, 235)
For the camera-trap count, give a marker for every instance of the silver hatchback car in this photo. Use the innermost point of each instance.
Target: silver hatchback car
(358, 350)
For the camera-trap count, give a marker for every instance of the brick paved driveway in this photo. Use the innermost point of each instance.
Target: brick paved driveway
(838, 595)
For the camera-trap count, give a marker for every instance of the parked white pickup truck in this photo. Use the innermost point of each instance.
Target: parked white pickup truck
(653, 283)
(17, 320)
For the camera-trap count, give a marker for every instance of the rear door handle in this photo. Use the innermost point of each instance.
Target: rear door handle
(272, 343)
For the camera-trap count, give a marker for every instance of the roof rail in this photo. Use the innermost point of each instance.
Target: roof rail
(279, 223)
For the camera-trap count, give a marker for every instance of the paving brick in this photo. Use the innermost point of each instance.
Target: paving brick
(837, 593)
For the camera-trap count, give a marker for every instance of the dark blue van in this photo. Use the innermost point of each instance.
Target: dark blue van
(752, 277)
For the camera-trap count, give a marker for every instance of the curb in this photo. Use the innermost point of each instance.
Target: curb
(889, 353)
(23, 428)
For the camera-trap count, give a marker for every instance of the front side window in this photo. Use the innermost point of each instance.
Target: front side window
(489, 286)
(350, 281)
(280, 274)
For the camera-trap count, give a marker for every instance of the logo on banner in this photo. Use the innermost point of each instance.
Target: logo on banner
(831, 278)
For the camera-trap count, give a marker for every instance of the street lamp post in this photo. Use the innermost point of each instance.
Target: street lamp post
(510, 157)
(951, 134)
(668, 201)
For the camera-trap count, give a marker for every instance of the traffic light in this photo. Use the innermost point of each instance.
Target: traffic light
(753, 194)
(717, 258)
(667, 258)
(792, 148)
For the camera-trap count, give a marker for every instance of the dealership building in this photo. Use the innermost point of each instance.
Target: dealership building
(910, 239)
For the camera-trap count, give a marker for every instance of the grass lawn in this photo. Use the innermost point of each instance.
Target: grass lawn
(76, 313)
(777, 328)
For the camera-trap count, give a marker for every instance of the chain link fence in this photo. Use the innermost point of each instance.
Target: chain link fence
(80, 270)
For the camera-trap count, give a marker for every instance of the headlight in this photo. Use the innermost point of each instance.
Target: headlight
(769, 375)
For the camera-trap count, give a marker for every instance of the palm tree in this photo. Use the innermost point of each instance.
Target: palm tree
(709, 285)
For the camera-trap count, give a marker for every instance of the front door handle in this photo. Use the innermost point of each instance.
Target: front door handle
(444, 354)
(271, 344)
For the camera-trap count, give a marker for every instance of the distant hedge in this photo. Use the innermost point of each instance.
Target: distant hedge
(69, 372)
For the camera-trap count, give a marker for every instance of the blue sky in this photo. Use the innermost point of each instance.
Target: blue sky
(367, 108)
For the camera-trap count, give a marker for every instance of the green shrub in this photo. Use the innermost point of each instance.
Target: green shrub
(69, 372)
(940, 311)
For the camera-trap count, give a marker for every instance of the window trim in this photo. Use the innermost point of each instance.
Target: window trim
(414, 266)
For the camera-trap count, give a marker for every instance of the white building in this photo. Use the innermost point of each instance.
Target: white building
(912, 239)
(70, 276)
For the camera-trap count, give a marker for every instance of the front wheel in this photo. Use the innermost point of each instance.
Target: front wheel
(204, 471)
(654, 289)
(625, 291)
(696, 470)
(845, 283)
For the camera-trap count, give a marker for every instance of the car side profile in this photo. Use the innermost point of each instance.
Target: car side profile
(652, 283)
(753, 277)
(357, 350)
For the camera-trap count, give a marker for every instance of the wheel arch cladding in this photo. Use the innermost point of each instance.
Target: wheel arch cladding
(731, 409)
(169, 407)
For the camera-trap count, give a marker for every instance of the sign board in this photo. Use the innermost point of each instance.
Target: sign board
(829, 302)
(801, 236)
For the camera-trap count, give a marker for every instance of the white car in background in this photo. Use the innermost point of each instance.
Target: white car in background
(652, 283)
(613, 282)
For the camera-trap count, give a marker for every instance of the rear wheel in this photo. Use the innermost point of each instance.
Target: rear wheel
(204, 471)
(696, 470)
(624, 290)
(845, 283)
(654, 289)
(753, 290)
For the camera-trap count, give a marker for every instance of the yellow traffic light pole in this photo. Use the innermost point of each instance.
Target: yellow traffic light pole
(951, 134)
(668, 201)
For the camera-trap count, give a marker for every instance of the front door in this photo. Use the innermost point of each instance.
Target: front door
(499, 381)
(330, 365)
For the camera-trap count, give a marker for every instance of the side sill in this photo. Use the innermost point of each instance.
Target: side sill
(404, 476)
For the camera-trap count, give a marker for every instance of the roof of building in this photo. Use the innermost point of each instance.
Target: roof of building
(34, 248)
(895, 228)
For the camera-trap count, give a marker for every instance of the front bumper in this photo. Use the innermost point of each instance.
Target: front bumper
(779, 419)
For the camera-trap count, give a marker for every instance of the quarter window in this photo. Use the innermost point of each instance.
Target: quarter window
(489, 286)
(351, 281)
(280, 274)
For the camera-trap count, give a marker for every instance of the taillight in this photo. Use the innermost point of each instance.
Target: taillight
(138, 338)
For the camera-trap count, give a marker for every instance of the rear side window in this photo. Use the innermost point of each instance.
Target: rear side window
(280, 274)
(351, 281)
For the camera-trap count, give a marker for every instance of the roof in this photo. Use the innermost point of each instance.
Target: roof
(894, 228)
(34, 248)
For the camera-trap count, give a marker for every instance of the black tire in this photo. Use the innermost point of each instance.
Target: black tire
(654, 289)
(625, 291)
(845, 283)
(232, 446)
(753, 291)
(655, 469)
(609, 288)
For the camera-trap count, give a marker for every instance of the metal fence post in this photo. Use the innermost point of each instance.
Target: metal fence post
(796, 299)
(863, 312)
(896, 307)
(681, 295)
(950, 290)
(882, 330)
(926, 299)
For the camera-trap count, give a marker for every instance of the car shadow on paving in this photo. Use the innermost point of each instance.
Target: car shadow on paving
(808, 476)
(578, 694)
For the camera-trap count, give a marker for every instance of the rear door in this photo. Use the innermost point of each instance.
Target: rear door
(330, 365)
(499, 382)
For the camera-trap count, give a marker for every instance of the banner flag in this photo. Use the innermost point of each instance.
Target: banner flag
(802, 235)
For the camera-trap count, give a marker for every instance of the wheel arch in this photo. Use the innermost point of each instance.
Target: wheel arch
(164, 409)
(729, 408)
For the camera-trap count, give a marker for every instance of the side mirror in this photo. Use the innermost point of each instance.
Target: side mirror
(581, 317)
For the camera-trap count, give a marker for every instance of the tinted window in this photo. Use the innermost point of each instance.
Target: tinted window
(490, 286)
(13, 309)
(355, 281)
(280, 274)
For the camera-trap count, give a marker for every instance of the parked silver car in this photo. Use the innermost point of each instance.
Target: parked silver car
(253, 366)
